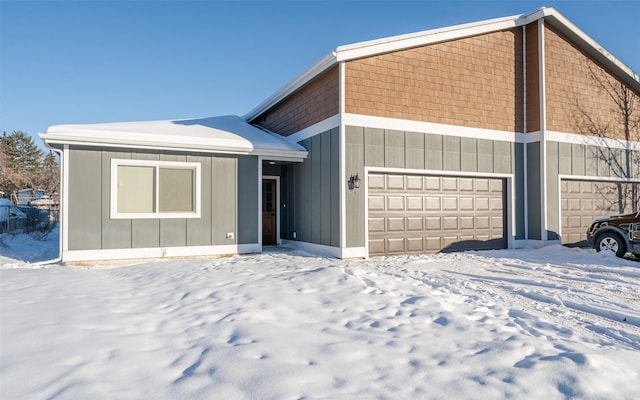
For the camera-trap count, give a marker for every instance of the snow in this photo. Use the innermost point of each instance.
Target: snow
(552, 323)
(228, 133)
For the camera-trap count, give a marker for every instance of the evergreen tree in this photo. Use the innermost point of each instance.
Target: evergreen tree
(50, 182)
(21, 163)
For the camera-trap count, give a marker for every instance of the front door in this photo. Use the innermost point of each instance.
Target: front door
(269, 212)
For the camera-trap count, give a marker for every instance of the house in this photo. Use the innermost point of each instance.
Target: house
(495, 134)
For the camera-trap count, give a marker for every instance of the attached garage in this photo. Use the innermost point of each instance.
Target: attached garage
(410, 213)
(583, 200)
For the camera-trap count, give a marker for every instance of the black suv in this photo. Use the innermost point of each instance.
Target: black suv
(617, 233)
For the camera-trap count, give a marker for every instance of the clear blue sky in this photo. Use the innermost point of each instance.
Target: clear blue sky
(109, 61)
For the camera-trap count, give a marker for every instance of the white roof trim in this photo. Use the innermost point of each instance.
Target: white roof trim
(395, 43)
(325, 63)
(226, 134)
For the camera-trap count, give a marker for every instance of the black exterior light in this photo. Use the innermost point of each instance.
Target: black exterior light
(354, 182)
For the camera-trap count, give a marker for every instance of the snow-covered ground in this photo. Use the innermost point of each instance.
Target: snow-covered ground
(547, 324)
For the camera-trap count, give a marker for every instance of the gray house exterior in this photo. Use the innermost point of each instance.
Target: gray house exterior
(477, 136)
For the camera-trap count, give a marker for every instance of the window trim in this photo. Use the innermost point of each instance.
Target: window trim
(197, 189)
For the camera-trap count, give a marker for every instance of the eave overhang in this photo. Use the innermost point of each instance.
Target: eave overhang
(225, 135)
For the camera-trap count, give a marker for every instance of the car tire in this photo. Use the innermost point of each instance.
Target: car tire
(611, 242)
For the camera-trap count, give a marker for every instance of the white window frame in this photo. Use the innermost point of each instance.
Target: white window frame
(197, 185)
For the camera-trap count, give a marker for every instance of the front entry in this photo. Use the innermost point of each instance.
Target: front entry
(269, 212)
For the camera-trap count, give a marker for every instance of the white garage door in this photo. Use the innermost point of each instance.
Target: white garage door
(581, 201)
(426, 214)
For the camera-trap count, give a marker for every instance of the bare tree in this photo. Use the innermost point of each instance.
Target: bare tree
(625, 117)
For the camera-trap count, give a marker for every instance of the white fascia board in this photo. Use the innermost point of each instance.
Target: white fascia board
(159, 145)
(316, 69)
(400, 42)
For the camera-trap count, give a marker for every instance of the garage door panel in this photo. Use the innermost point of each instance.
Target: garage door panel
(395, 182)
(415, 244)
(433, 223)
(376, 203)
(415, 183)
(395, 224)
(465, 185)
(376, 246)
(395, 203)
(482, 222)
(450, 184)
(582, 200)
(425, 213)
(376, 225)
(415, 223)
(395, 245)
(376, 181)
(466, 204)
(414, 203)
(450, 223)
(450, 204)
(432, 203)
(432, 183)
(432, 244)
(466, 223)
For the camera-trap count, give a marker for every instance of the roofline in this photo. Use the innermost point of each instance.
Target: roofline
(411, 40)
(280, 155)
(319, 67)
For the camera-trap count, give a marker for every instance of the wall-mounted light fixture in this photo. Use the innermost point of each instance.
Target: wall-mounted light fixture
(354, 182)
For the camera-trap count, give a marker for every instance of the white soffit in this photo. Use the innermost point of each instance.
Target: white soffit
(224, 134)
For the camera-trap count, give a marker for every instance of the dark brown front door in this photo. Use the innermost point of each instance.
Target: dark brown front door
(269, 211)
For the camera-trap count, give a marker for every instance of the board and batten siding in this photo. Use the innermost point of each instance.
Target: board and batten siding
(582, 161)
(312, 192)
(228, 204)
(375, 147)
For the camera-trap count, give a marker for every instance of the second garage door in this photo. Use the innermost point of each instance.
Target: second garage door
(425, 214)
(582, 201)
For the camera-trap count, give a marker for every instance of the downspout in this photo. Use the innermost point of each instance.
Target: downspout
(58, 259)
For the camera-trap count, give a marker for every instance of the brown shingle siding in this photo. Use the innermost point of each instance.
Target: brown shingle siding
(474, 82)
(316, 101)
(576, 101)
(533, 78)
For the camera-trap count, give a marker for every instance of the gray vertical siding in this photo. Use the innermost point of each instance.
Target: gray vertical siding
(85, 200)
(414, 150)
(247, 202)
(534, 183)
(225, 196)
(374, 148)
(354, 199)
(312, 193)
(468, 155)
(229, 198)
(382, 148)
(520, 170)
(116, 233)
(335, 187)
(433, 151)
(553, 206)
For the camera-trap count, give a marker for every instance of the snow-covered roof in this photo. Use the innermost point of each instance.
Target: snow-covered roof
(400, 42)
(224, 134)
